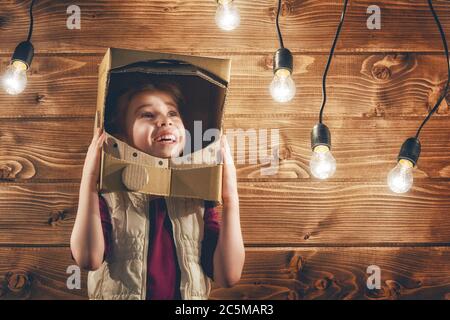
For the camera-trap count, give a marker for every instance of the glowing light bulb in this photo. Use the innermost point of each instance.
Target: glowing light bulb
(227, 15)
(282, 88)
(322, 163)
(15, 77)
(400, 178)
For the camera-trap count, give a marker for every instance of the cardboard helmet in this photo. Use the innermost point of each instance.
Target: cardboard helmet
(203, 83)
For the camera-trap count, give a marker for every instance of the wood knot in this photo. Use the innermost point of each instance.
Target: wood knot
(55, 217)
(296, 264)
(268, 62)
(7, 172)
(434, 96)
(389, 66)
(307, 235)
(381, 72)
(40, 98)
(17, 282)
(324, 283)
(170, 9)
(395, 288)
(287, 8)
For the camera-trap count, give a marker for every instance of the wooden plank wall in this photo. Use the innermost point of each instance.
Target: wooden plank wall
(305, 239)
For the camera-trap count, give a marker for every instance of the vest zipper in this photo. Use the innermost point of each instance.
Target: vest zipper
(145, 253)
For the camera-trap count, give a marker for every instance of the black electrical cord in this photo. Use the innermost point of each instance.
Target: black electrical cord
(324, 77)
(280, 37)
(30, 30)
(444, 41)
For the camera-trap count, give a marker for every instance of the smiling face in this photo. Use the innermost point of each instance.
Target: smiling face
(153, 124)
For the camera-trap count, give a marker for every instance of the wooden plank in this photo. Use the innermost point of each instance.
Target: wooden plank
(58, 86)
(291, 213)
(279, 273)
(44, 149)
(366, 86)
(37, 273)
(340, 273)
(343, 212)
(365, 149)
(188, 26)
(39, 214)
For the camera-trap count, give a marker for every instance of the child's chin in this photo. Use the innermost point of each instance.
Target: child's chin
(166, 151)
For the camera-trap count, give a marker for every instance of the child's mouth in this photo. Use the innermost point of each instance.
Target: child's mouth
(166, 139)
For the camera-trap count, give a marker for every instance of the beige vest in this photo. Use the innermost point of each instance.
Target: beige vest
(123, 275)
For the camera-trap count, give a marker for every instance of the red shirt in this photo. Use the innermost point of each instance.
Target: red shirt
(163, 272)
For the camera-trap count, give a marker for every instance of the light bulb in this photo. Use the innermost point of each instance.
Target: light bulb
(227, 15)
(282, 87)
(15, 77)
(400, 179)
(322, 163)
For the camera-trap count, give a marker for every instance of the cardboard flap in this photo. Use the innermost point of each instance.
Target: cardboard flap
(220, 67)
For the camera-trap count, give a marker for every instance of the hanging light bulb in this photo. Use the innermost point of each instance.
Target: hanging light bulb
(400, 178)
(227, 15)
(15, 77)
(14, 80)
(282, 88)
(322, 163)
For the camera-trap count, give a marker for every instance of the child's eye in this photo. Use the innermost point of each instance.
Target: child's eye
(173, 113)
(146, 115)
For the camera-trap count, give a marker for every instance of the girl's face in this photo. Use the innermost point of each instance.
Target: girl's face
(154, 125)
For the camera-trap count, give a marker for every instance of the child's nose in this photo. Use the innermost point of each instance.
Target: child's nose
(164, 121)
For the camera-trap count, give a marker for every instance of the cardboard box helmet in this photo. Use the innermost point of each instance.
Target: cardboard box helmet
(203, 83)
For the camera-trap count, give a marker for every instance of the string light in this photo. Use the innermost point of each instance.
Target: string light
(282, 87)
(227, 15)
(15, 78)
(400, 178)
(322, 163)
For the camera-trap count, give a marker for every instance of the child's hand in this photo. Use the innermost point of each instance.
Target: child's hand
(229, 180)
(91, 169)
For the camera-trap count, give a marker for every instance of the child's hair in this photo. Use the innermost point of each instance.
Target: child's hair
(116, 123)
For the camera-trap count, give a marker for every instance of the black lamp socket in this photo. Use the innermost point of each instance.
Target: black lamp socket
(320, 135)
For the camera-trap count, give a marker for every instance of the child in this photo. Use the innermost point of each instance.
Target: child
(149, 119)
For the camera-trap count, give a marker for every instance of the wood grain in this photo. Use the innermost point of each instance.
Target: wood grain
(305, 239)
(37, 273)
(279, 273)
(365, 150)
(291, 213)
(308, 26)
(359, 85)
(340, 273)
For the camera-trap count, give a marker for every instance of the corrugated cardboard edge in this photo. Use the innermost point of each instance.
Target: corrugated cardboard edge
(104, 68)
